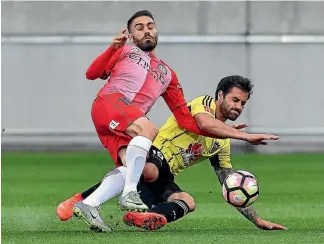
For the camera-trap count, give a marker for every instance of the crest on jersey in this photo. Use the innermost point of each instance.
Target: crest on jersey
(162, 69)
(193, 152)
(136, 50)
(209, 110)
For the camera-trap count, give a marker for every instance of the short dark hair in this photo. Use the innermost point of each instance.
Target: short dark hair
(138, 14)
(228, 82)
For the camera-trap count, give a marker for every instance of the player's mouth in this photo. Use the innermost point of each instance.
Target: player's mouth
(148, 38)
(236, 112)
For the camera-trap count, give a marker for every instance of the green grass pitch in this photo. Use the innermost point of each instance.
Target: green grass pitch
(291, 193)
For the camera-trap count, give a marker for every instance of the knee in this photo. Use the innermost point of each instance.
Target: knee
(150, 132)
(191, 204)
(144, 127)
(150, 173)
(186, 198)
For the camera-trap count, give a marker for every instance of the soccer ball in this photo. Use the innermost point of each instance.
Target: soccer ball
(241, 189)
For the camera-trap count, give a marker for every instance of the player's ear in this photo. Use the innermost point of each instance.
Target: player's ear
(220, 96)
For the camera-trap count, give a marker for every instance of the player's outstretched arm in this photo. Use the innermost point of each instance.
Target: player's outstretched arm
(97, 69)
(221, 130)
(205, 124)
(218, 128)
(176, 102)
(248, 212)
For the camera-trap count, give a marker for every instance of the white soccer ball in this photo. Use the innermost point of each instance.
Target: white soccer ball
(241, 189)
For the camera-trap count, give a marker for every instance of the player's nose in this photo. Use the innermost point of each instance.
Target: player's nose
(238, 107)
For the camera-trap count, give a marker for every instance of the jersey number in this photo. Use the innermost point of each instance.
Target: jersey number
(159, 154)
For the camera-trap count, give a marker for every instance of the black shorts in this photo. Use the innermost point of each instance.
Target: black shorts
(160, 190)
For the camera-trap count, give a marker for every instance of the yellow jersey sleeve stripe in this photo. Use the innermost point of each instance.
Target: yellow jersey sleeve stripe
(207, 100)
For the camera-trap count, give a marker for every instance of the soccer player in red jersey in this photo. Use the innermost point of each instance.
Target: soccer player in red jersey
(137, 77)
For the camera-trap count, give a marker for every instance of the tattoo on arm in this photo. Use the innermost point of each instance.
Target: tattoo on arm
(222, 173)
(247, 212)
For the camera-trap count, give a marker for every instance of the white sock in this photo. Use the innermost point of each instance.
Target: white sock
(136, 153)
(111, 186)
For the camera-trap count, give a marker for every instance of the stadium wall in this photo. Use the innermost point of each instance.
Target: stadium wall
(47, 46)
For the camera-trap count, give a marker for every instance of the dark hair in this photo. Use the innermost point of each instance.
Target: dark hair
(138, 14)
(228, 82)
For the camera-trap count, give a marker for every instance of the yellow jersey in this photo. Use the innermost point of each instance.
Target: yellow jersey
(183, 149)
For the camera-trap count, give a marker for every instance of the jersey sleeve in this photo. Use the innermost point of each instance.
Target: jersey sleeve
(223, 158)
(98, 68)
(113, 60)
(203, 104)
(173, 96)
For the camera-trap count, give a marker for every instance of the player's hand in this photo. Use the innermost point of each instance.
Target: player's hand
(266, 225)
(120, 39)
(260, 139)
(239, 126)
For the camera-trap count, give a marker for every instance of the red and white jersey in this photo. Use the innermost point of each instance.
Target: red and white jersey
(140, 76)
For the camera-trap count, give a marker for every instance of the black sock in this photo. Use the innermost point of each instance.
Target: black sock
(88, 192)
(172, 211)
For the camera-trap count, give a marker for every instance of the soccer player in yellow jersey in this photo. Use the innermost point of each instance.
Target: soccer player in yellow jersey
(182, 149)
(176, 149)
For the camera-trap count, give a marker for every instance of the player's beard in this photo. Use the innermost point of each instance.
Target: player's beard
(228, 112)
(146, 45)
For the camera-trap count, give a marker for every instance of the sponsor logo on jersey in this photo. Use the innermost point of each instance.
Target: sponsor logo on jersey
(158, 76)
(162, 69)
